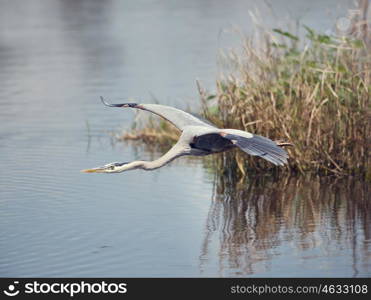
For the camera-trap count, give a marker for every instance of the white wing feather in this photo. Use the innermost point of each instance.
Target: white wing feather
(177, 117)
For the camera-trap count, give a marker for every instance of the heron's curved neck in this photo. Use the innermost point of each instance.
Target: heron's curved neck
(174, 152)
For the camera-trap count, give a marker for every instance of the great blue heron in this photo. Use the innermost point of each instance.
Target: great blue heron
(197, 138)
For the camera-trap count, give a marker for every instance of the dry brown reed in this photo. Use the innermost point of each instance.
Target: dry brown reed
(312, 91)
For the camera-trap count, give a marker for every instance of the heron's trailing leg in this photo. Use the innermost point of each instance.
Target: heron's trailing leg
(283, 144)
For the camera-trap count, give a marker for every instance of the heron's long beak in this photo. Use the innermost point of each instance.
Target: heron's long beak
(95, 170)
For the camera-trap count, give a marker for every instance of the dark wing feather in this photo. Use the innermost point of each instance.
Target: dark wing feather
(259, 146)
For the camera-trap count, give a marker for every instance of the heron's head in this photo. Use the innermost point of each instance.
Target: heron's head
(115, 167)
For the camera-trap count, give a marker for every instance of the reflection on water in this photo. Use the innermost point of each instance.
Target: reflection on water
(298, 226)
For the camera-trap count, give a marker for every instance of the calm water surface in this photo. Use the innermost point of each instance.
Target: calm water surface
(56, 58)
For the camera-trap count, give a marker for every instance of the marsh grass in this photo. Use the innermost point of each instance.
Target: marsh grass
(312, 91)
(157, 135)
(316, 97)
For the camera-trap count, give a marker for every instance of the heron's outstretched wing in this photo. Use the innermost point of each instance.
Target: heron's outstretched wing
(256, 145)
(177, 117)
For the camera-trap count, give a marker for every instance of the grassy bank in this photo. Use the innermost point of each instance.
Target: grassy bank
(312, 91)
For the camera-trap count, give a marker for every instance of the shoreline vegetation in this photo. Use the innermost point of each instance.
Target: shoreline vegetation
(312, 91)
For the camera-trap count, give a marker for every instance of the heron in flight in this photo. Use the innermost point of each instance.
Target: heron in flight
(197, 138)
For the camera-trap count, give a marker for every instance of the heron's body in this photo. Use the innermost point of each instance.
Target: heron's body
(198, 138)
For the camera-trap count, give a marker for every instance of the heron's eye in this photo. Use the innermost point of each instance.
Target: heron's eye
(112, 167)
